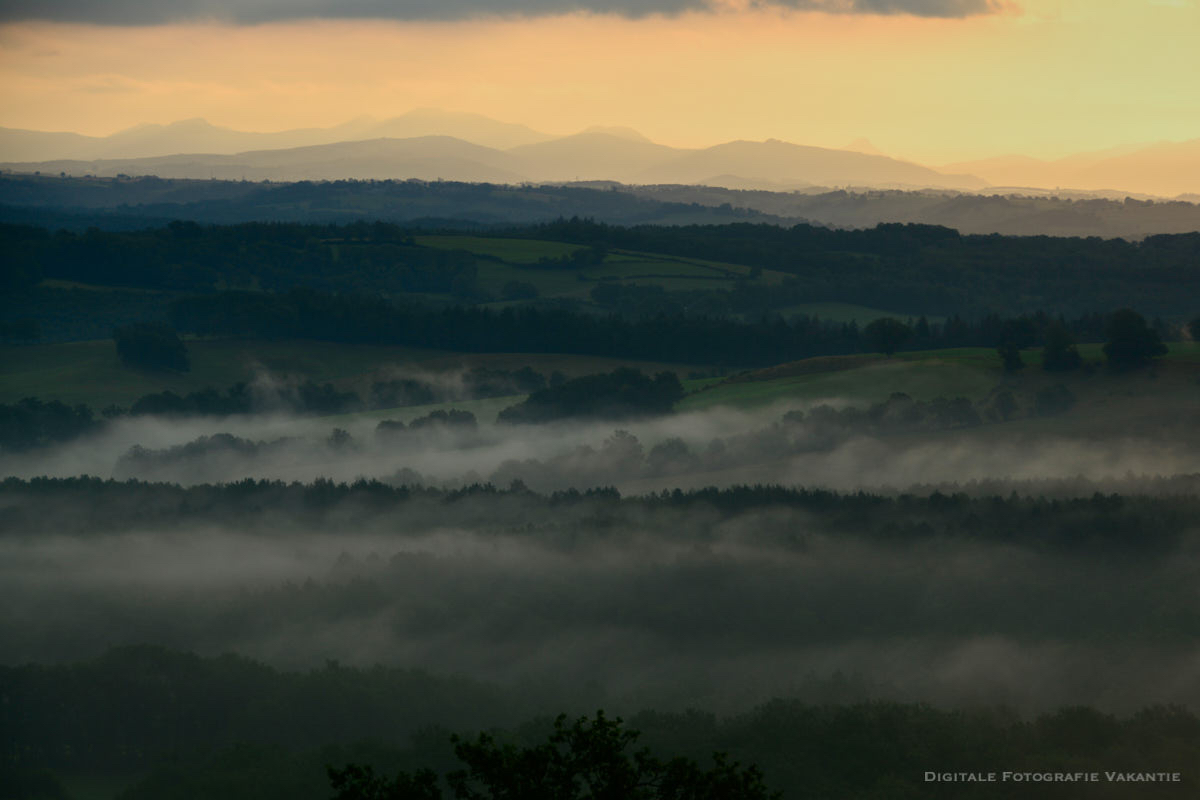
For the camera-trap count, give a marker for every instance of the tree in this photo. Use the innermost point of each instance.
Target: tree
(886, 334)
(587, 759)
(356, 782)
(1010, 354)
(150, 345)
(1059, 354)
(1004, 406)
(1130, 341)
(1053, 400)
(1193, 328)
(620, 394)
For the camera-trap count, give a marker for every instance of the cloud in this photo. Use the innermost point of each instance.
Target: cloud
(137, 12)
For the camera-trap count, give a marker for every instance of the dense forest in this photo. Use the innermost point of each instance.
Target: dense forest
(928, 269)
(679, 337)
(907, 269)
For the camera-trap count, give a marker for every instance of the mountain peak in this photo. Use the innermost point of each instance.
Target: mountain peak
(193, 124)
(862, 145)
(619, 131)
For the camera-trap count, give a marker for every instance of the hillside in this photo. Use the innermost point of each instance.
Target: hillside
(80, 203)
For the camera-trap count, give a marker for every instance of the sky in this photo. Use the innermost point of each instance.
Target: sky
(930, 80)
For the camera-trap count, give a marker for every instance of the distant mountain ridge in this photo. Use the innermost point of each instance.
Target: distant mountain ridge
(429, 144)
(1167, 169)
(200, 136)
(784, 162)
(616, 154)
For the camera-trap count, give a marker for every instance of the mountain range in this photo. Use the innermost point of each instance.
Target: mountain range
(428, 144)
(1167, 169)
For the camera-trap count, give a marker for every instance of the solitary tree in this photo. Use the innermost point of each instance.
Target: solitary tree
(148, 345)
(1059, 354)
(1010, 355)
(1131, 342)
(886, 334)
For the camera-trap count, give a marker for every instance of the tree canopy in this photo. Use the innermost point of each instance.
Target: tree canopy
(589, 758)
(148, 345)
(885, 335)
(1130, 341)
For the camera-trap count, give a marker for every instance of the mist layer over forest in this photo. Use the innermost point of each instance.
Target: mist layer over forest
(1024, 579)
(830, 443)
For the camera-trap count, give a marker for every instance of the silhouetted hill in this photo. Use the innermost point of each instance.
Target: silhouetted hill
(78, 203)
(199, 136)
(422, 158)
(1010, 214)
(431, 145)
(782, 162)
(1166, 169)
(109, 203)
(591, 156)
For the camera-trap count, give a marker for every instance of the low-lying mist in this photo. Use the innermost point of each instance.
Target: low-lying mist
(809, 446)
(1023, 580)
(714, 602)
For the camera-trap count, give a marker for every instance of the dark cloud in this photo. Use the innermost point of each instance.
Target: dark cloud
(138, 12)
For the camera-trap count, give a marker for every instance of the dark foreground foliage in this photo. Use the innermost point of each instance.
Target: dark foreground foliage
(586, 759)
(229, 727)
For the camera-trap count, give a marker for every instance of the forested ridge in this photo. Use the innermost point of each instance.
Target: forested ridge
(124, 203)
(930, 269)
(908, 269)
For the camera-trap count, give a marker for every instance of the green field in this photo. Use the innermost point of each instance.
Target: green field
(516, 260)
(514, 251)
(89, 372)
(922, 379)
(961, 372)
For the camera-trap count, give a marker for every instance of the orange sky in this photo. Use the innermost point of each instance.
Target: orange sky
(1047, 79)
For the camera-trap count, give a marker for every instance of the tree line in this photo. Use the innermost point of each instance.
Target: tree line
(681, 338)
(1099, 522)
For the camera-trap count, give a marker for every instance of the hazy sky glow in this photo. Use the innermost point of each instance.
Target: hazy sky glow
(949, 79)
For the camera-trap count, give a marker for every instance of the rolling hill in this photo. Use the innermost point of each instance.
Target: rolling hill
(782, 162)
(1166, 169)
